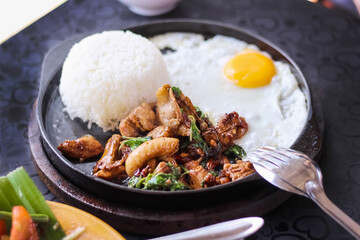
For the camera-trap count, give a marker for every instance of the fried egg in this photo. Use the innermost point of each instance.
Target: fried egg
(250, 69)
(223, 74)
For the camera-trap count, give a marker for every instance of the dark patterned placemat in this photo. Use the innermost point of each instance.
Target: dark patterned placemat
(324, 43)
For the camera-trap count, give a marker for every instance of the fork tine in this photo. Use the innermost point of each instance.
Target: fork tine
(287, 151)
(275, 149)
(277, 179)
(291, 153)
(277, 156)
(270, 157)
(294, 152)
(259, 157)
(262, 165)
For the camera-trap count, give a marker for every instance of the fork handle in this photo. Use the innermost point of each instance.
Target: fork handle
(317, 194)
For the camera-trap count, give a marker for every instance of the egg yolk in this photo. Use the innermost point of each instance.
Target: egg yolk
(250, 70)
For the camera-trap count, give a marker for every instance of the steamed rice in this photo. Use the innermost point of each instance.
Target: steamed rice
(108, 74)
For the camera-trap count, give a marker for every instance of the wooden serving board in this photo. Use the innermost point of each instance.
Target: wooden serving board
(147, 220)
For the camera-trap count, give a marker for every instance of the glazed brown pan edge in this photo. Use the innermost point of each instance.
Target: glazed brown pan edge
(309, 141)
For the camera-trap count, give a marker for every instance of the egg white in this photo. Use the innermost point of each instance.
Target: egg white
(275, 113)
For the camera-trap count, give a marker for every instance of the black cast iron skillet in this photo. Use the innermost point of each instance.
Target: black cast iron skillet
(56, 126)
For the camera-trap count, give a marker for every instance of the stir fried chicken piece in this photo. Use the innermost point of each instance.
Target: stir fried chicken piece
(224, 159)
(82, 148)
(155, 148)
(168, 112)
(160, 131)
(187, 156)
(140, 120)
(212, 163)
(192, 164)
(231, 127)
(222, 179)
(238, 170)
(162, 167)
(189, 109)
(167, 158)
(110, 166)
(150, 167)
(199, 176)
(211, 137)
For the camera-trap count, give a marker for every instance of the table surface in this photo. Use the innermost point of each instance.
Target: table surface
(15, 15)
(325, 44)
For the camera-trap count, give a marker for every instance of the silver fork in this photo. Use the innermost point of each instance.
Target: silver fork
(295, 172)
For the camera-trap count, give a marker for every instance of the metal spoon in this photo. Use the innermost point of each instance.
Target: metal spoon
(295, 172)
(230, 230)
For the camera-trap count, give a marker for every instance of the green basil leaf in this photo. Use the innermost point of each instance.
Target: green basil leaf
(177, 92)
(195, 135)
(235, 151)
(160, 181)
(133, 143)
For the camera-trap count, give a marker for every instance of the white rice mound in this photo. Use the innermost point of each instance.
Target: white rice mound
(108, 74)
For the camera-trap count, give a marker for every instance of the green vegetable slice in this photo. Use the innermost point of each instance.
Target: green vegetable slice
(8, 196)
(133, 143)
(195, 135)
(235, 151)
(200, 113)
(35, 217)
(177, 92)
(160, 181)
(34, 201)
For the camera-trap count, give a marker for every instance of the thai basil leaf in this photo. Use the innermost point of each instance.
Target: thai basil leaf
(177, 92)
(200, 113)
(160, 181)
(195, 135)
(235, 151)
(133, 143)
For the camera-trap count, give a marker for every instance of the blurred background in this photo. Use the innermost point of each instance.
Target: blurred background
(346, 6)
(16, 15)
